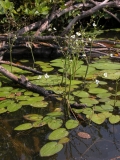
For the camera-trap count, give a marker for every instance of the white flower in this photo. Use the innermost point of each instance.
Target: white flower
(94, 25)
(54, 29)
(78, 33)
(84, 55)
(90, 39)
(82, 40)
(46, 76)
(97, 81)
(73, 36)
(49, 29)
(39, 77)
(105, 74)
(111, 55)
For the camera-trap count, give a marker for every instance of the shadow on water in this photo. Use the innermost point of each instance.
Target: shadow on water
(104, 143)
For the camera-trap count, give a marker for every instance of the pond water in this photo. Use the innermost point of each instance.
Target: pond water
(102, 98)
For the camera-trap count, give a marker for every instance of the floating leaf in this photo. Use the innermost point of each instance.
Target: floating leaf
(106, 65)
(55, 123)
(55, 114)
(3, 110)
(103, 95)
(81, 94)
(50, 149)
(89, 101)
(70, 124)
(114, 119)
(33, 117)
(14, 107)
(97, 90)
(88, 111)
(98, 118)
(84, 135)
(39, 123)
(23, 127)
(107, 107)
(40, 104)
(58, 134)
(64, 140)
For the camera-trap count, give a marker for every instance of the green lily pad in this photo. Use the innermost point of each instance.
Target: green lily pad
(3, 110)
(14, 107)
(70, 124)
(97, 90)
(50, 149)
(104, 99)
(23, 127)
(88, 111)
(89, 101)
(55, 124)
(55, 114)
(114, 119)
(107, 107)
(39, 123)
(58, 134)
(111, 74)
(33, 117)
(64, 140)
(98, 118)
(81, 94)
(6, 103)
(104, 95)
(106, 65)
(40, 104)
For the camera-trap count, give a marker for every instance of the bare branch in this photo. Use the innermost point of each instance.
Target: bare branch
(86, 14)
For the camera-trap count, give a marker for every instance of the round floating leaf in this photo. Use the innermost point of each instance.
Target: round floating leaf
(98, 118)
(106, 65)
(6, 103)
(39, 123)
(84, 135)
(103, 95)
(52, 80)
(55, 114)
(81, 94)
(111, 74)
(4, 93)
(58, 134)
(23, 97)
(14, 107)
(89, 101)
(40, 104)
(114, 103)
(33, 117)
(107, 107)
(114, 119)
(55, 124)
(28, 93)
(70, 124)
(3, 110)
(50, 149)
(98, 109)
(104, 99)
(64, 140)
(23, 127)
(97, 90)
(107, 114)
(47, 119)
(6, 89)
(88, 111)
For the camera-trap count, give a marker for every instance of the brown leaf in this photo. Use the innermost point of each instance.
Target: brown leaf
(84, 135)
